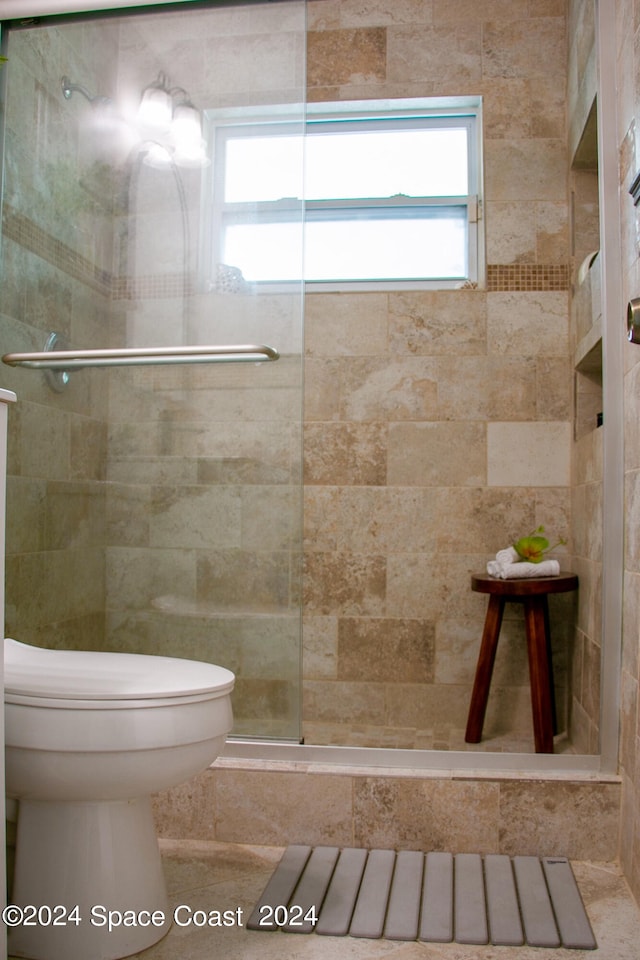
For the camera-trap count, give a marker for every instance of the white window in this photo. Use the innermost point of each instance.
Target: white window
(375, 193)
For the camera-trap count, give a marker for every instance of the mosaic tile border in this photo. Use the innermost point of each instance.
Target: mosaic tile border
(508, 277)
(527, 276)
(28, 234)
(151, 287)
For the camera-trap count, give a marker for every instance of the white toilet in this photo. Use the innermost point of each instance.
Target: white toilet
(89, 737)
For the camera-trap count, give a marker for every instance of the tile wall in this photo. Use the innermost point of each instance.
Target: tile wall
(587, 350)
(628, 103)
(438, 425)
(55, 277)
(249, 802)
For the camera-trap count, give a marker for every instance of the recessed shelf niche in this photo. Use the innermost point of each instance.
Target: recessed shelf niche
(586, 285)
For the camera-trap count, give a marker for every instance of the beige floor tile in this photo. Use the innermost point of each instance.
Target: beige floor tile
(229, 878)
(213, 876)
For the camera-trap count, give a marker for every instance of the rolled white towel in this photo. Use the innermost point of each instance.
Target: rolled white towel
(523, 570)
(508, 555)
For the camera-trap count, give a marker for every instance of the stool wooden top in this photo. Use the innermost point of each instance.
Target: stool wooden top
(525, 587)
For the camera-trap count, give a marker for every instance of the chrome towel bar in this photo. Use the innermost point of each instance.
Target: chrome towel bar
(132, 356)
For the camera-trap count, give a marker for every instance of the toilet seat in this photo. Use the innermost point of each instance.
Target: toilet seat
(91, 679)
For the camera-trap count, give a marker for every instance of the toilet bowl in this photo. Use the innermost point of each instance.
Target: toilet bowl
(89, 736)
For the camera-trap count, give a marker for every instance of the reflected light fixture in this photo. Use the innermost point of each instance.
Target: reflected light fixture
(186, 131)
(157, 156)
(156, 105)
(168, 122)
(167, 112)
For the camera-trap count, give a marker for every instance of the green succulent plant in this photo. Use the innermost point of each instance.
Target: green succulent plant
(533, 547)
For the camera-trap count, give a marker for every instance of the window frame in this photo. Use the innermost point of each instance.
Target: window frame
(346, 116)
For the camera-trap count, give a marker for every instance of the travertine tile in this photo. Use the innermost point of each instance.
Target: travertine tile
(45, 442)
(356, 13)
(487, 516)
(528, 324)
(346, 324)
(525, 170)
(87, 449)
(480, 10)
(401, 388)
(322, 389)
(26, 518)
(346, 56)
(389, 519)
(281, 808)
(548, 105)
(425, 707)
(343, 583)
(631, 625)
(416, 589)
(320, 647)
(322, 517)
(552, 232)
(536, 818)
(588, 613)
(507, 113)
(74, 515)
(359, 703)
(512, 48)
(195, 517)
(436, 454)
(553, 389)
(207, 876)
(632, 405)
(486, 388)
(545, 459)
(458, 646)
(237, 579)
(393, 650)
(345, 453)
(511, 234)
(443, 52)
(421, 323)
(426, 815)
(587, 526)
(135, 577)
(628, 722)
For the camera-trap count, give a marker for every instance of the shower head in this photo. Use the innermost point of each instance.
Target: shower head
(69, 88)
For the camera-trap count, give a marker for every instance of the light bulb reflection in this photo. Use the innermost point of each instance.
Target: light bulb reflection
(170, 126)
(155, 109)
(186, 131)
(157, 156)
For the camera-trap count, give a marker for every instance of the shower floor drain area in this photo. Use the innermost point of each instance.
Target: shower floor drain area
(434, 897)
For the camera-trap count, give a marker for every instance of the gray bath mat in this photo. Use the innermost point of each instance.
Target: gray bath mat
(435, 897)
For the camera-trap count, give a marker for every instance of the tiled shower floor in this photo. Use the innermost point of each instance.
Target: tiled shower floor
(215, 876)
(444, 737)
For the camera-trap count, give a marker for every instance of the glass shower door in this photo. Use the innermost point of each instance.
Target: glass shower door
(153, 507)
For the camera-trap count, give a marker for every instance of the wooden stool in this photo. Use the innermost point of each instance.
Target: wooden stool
(533, 594)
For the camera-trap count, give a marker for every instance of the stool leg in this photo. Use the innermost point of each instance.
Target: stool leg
(547, 633)
(484, 669)
(536, 624)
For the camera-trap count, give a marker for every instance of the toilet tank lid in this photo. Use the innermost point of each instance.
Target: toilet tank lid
(94, 675)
